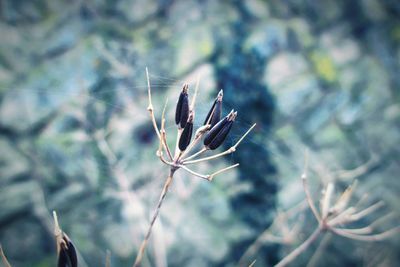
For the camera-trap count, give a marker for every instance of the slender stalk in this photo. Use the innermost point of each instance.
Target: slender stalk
(204, 149)
(320, 250)
(368, 238)
(300, 249)
(228, 151)
(309, 198)
(150, 106)
(222, 170)
(4, 258)
(252, 264)
(326, 203)
(365, 212)
(203, 176)
(154, 218)
(108, 258)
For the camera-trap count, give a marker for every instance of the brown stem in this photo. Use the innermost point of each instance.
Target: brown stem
(4, 258)
(154, 218)
(300, 249)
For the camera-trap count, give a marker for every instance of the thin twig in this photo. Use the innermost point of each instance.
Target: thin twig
(203, 176)
(162, 132)
(368, 238)
(365, 212)
(326, 202)
(195, 94)
(4, 258)
(368, 229)
(228, 151)
(201, 151)
(306, 189)
(341, 217)
(267, 236)
(320, 250)
(150, 107)
(344, 199)
(252, 264)
(57, 231)
(155, 215)
(300, 249)
(222, 170)
(108, 258)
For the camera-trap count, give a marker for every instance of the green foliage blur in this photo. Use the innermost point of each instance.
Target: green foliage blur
(76, 137)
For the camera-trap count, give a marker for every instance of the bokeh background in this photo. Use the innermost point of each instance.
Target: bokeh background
(75, 135)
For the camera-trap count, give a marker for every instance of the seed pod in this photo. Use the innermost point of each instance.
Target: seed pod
(182, 108)
(214, 115)
(67, 255)
(217, 135)
(186, 135)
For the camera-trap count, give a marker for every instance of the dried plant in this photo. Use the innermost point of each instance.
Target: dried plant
(283, 230)
(4, 258)
(333, 218)
(213, 132)
(66, 251)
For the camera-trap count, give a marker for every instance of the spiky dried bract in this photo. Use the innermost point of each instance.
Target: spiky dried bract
(67, 256)
(219, 132)
(214, 115)
(182, 108)
(186, 136)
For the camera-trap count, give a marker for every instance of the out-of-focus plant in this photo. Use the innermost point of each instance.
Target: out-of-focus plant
(332, 217)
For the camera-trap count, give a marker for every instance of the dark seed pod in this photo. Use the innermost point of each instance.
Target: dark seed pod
(63, 259)
(186, 136)
(67, 256)
(214, 131)
(217, 135)
(221, 136)
(182, 108)
(214, 115)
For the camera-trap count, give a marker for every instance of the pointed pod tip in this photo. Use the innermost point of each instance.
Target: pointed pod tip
(185, 88)
(220, 96)
(232, 115)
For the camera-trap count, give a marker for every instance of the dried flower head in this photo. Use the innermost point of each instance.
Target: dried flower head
(181, 159)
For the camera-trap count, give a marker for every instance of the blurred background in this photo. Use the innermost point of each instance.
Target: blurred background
(75, 135)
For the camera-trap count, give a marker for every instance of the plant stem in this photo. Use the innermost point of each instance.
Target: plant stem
(300, 249)
(154, 218)
(4, 258)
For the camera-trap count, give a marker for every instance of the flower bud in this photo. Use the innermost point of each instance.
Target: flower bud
(67, 255)
(182, 108)
(214, 115)
(217, 135)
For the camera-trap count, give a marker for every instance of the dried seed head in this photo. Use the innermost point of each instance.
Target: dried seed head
(214, 115)
(182, 108)
(217, 135)
(67, 255)
(186, 135)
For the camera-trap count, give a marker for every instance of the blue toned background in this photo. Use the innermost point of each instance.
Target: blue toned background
(75, 135)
